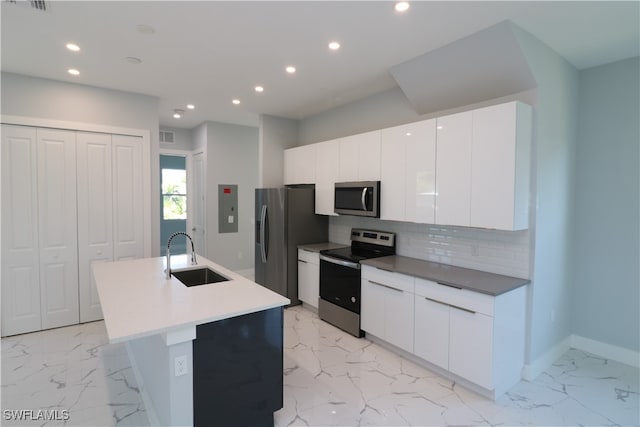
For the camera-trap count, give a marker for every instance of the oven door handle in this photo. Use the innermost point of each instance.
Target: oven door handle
(343, 263)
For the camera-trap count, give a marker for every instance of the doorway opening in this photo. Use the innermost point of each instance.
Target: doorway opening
(173, 202)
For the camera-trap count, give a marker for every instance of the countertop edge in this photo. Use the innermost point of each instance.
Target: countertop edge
(420, 270)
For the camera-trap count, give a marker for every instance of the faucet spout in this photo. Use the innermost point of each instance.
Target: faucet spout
(193, 251)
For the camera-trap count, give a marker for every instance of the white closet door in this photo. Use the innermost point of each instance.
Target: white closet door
(20, 255)
(95, 216)
(127, 197)
(57, 217)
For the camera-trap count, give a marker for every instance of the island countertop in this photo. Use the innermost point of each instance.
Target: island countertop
(137, 300)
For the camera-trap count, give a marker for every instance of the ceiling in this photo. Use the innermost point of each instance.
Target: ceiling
(209, 52)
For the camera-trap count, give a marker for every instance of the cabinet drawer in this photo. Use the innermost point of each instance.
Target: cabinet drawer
(388, 278)
(461, 298)
(308, 256)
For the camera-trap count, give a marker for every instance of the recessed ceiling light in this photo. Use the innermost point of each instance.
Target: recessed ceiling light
(133, 60)
(408, 133)
(191, 106)
(73, 47)
(73, 72)
(334, 45)
(438, 127)
(177, 113)
(290, 69)
(145, 29)
(176, 116)
(236, 101)
(259, 89)
(402, 6)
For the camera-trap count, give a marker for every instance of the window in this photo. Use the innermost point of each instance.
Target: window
(174, 194)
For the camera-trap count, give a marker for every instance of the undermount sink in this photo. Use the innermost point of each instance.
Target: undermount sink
(198, 276)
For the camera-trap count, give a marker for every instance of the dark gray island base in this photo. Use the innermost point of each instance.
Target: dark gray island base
(238, 370)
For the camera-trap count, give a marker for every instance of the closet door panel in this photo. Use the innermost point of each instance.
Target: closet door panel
(127, 197)
(95, 215)
(57, 217)
(20, 255)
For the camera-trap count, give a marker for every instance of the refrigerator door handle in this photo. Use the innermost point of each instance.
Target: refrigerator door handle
(263, 225)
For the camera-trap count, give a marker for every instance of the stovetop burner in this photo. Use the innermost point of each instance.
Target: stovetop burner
(365, 244)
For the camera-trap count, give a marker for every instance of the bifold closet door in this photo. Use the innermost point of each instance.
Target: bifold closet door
(128, 204)
(95, 215)
(20, 254)
(57, 223)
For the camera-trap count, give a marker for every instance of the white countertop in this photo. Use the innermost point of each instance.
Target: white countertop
(137, 300)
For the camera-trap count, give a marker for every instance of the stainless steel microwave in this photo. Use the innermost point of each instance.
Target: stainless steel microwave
(357, 198)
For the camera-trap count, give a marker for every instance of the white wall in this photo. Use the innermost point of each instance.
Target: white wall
(232, 158)
(183, 139)
(606, 214)
(276, 134)
(49, 99)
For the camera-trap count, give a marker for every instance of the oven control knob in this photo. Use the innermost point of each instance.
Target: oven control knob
(353, 299)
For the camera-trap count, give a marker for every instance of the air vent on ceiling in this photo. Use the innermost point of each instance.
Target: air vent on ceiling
(167, 137)
(31, 4)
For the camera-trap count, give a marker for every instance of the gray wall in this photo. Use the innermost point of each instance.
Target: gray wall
(605, 279)
(276, 134)
(554, 137)
(232, 158)
(49, 99)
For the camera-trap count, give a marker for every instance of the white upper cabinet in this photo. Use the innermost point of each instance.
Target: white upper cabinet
(300, 165)
(408, 172)
(453, 169)
(500, 167)
(421, 172)
(360, 157)
(327, 154)
(483, 167)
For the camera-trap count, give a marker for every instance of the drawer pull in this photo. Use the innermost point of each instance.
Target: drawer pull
(463, 309)
(448, 285)
(307, 250)
(384, 269)
(301, 260)
(436, 301)
(386, 286)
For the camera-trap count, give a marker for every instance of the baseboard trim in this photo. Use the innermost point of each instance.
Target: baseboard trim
(146, 399)
(531, 371)
(607, 351)
(597, 348)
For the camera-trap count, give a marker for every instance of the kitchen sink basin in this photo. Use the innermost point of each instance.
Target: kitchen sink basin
(198, 276)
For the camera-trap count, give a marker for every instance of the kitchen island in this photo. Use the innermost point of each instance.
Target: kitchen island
(203, 355)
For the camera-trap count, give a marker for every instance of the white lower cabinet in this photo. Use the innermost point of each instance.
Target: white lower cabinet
(387, 306)
(432, 331)
(309, 277)
(471, 346)
(473, 335)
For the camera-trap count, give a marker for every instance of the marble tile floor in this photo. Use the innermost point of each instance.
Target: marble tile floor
(331, 379)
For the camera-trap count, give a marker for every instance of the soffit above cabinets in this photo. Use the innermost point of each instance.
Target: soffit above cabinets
(486, 65)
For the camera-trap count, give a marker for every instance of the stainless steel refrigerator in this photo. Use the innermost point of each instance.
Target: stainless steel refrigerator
(285, 218)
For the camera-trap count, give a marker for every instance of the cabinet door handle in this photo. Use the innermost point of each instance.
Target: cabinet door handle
(386, 286)
(448, 285)
(436, 301)
(301, 260)
(463, 309)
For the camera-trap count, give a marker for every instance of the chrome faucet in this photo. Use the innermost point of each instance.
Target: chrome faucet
(193, 251)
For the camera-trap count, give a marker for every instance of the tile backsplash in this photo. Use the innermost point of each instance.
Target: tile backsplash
(494, 251)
